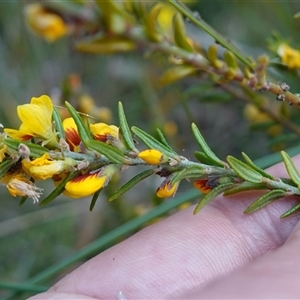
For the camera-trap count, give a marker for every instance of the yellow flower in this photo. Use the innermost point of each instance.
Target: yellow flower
(104, 132)
(44, 167)
(289, 56)
(72, 136)
(166, 190)
(45, 23)
(21, 186)
(151, 156)
(84, 185)
(37, 121)
(202, 186)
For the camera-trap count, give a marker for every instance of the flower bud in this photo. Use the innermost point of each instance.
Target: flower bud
(202, 186)
(166, 190)
(151, 156)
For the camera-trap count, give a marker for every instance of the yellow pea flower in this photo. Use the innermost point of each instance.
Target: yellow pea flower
(37, 121)
(72, 136)
(165, 190)
(289, 56)
(21, 186)
(45, 23)
(151, 156)
(84, 185)
(201, 185)
(44, 167)
(104, 132)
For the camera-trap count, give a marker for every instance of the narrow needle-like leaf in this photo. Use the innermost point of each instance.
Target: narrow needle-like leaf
(216, 191)
(291, 211)
(58, 123)
(35, 150)
(113, 154)
(132, 182)
(163, 140)
(84, 134)
(59, 189)
(94, 199)
(265, 200)
(152, 143)
(244, 171)
(206, 149)
(5, 166)
(291, 168)
(255, 167)
(125, 128)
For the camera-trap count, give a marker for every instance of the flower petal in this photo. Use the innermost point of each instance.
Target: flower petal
(72, 136)
(21, 186)
(37, 117)
(102, 131)
(47, 24)
(151, 156)
(165, 190)
(84, 185)
(17, 134)
(44, 167)
(201, 185)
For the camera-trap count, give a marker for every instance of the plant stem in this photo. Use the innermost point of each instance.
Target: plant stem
(213, 33)
(243, 97)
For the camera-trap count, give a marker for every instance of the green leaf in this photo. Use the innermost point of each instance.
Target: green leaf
(59, 189)
(163, 140)
(203, 158)
(94, 199)
(132, 182)
(291, 168)
(255, 167)
(216, 191)
(58, 123)
(113, 154)
(265, 200)
(35, 150)
(5, 166)
(207, 151)
(153, 143)
(189, 172)
(292, 210)
(22, 201)
(84, 134)
(126, 133)
(244, 171)
(244, 187)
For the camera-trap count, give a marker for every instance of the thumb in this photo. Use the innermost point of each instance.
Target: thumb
(273, 276)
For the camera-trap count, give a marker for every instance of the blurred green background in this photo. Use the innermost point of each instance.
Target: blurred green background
(33, 238)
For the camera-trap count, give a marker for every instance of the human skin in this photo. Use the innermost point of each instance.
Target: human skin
(220, 253)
